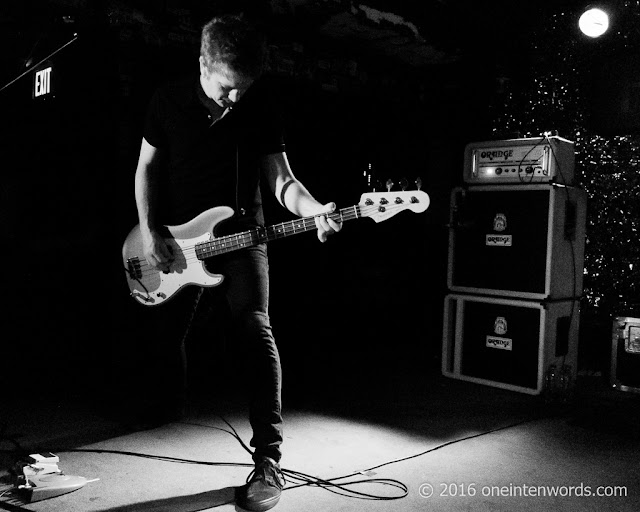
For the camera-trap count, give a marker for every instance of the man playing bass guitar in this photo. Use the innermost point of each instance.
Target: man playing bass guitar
(207, 140)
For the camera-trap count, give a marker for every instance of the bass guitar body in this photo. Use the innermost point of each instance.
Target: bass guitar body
(150, 286)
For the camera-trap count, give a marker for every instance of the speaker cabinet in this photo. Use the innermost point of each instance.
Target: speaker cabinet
(625, 354)
(522, 241)
(508, 343)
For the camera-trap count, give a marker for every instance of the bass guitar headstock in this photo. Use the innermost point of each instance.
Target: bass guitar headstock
(383, 205)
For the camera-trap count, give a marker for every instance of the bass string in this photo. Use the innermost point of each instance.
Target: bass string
(190, 252)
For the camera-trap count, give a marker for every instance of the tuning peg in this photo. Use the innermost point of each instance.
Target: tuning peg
(389, 184)
(418, 183)
(404, 183)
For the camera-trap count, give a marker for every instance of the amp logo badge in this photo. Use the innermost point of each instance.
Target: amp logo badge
(500, 326)
(499, 342)
(500, 222)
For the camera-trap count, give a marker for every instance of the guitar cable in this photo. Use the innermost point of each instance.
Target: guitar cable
(338, 485)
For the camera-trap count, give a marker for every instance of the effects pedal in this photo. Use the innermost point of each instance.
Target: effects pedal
(42, 487)
(38, 478)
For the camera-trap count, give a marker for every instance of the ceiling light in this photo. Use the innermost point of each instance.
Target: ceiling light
(594, 22)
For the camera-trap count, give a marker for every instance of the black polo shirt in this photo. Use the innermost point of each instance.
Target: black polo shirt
(211, 164)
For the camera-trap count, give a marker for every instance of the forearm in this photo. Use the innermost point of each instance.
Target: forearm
(295, 197)
(290, 192)
(145, 193)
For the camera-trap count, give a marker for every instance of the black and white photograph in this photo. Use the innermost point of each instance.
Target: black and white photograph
(320, 255)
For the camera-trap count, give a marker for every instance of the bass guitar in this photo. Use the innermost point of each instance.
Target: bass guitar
(195, 241)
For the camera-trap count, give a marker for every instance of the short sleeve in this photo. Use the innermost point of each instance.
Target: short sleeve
(154, 131)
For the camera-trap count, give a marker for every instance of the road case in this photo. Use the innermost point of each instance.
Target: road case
(625, 354)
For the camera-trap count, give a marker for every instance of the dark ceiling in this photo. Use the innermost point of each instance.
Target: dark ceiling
(425, 32)
(416, 32)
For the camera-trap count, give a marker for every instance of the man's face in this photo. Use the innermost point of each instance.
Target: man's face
(223, 85)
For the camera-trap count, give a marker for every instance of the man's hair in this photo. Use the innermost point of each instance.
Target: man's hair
(233, 41)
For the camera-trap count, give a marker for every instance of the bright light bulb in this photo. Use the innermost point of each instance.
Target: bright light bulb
(594, 22)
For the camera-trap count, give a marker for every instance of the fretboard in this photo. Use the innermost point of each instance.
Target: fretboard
(265, 234)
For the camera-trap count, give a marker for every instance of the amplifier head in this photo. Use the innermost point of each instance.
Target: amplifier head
(520, 161)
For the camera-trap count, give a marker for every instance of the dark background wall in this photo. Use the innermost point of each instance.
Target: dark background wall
(369, 299)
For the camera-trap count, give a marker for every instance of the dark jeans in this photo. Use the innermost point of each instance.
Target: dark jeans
(245, 289)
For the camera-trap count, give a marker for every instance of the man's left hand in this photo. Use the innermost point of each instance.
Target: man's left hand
(326, 225)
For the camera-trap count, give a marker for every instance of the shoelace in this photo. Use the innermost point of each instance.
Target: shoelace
(269, 473)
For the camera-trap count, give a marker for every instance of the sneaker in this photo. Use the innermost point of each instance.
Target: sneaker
(263, 488)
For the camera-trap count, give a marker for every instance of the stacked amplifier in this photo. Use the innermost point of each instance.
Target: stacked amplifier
(515, 266)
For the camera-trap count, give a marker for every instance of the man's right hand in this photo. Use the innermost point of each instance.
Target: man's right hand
(156, 250)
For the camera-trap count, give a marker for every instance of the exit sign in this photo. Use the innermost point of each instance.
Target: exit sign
(42, 83)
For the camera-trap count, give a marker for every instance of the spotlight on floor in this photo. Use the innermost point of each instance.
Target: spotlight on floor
(594, 22)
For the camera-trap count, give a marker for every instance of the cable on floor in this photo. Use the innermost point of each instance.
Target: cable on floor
(336, 485)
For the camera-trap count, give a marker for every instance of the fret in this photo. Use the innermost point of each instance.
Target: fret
(264, 234)
(270, 233)
(279, 230)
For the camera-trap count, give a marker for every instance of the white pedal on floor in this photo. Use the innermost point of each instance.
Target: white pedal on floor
(42, 487)
(40, 478)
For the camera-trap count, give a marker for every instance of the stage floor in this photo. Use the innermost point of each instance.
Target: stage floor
(511, 450)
